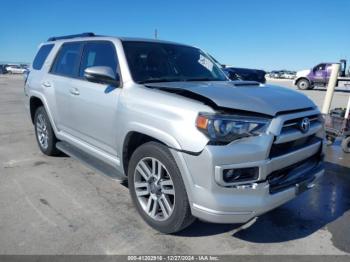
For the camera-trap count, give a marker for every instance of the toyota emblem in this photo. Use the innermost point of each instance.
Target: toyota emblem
(304, 125)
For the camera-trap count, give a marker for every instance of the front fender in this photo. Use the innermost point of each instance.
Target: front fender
(152, 132)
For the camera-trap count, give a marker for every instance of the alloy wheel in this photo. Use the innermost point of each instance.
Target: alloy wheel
(42, 131)
(154, 188)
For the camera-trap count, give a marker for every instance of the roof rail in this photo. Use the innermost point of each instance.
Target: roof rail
(54, 38)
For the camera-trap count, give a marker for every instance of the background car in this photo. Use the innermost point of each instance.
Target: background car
(3, 69)
(235, 73)
(15, 69)
(275, 74)
(288, 74)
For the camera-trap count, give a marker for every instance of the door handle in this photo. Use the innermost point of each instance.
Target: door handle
(74, 91)
(46, 84)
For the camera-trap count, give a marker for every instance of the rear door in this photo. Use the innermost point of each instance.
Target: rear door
(93, 107)
(64, 69)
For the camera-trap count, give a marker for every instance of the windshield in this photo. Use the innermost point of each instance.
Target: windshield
(159, 62)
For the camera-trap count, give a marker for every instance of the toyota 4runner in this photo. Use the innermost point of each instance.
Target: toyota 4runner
(162, 115)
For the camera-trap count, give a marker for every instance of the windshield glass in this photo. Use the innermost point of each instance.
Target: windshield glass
(160, 62)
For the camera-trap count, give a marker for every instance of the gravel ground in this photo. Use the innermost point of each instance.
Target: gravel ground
(55, 205)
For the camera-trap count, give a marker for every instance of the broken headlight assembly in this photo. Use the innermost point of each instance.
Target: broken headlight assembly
(223, 129)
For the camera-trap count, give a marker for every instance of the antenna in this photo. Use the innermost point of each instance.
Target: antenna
(155, 33)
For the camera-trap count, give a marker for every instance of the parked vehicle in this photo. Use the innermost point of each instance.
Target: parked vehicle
(275, 74)
(319, 76)
(282, 74)
(235, 73)
(15, 69)
(3, 69)
(288, 74)
(164, 116)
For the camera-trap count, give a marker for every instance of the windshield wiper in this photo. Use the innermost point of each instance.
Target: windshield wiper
(201, 79)
(159, 80)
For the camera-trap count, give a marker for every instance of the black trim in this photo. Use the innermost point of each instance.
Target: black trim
(186, 152)
(300, 172)
(294, 111)
(291, 146)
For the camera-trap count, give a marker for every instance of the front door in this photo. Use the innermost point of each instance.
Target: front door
(94, 105)
(320, 74)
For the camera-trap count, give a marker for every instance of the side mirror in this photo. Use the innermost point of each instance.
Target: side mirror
(102, 74)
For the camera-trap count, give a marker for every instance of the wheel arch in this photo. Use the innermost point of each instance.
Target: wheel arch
(37, 100)
(132, 141)
(34, 104)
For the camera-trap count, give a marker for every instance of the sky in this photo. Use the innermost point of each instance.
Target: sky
(270, 34)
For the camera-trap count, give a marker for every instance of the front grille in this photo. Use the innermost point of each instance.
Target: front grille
(288, 147)
(293, 124)
(291, 175)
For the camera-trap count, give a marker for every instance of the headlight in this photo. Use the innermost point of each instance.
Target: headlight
(223, 129)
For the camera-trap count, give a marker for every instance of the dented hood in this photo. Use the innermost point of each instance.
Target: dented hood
(241, 95)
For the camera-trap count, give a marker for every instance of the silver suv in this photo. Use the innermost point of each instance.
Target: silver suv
(164, 116)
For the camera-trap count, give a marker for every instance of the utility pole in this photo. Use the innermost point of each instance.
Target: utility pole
(155, 33)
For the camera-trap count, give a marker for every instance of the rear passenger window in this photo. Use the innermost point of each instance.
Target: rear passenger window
(98, 54)
(67, 60)
(41, 56)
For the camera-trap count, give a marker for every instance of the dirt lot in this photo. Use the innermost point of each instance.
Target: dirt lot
(58, 206)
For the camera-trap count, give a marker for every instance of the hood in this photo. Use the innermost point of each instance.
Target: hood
(303, 73)
(242, 95)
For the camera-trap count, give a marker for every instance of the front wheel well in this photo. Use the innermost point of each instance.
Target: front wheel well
(132, 141)
(34, 104)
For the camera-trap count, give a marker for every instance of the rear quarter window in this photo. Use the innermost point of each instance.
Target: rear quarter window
(41, 56)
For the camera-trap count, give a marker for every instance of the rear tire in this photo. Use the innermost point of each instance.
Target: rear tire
(345, 144)
(303, 84)
(44, 133)
(149, 187)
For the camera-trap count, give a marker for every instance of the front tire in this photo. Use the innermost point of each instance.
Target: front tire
(303, 84)
(157, 189)
(44, 133)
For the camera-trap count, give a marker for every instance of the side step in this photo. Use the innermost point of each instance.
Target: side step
(91, 161)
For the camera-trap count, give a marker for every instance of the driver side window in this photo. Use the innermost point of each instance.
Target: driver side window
(100, 53)
(320, 67)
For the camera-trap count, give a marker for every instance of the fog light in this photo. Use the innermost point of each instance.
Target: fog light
(240, 174)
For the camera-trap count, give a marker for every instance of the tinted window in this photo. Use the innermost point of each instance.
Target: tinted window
(67, 60)
(158, 62)
(98, 54)
(41, 56)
